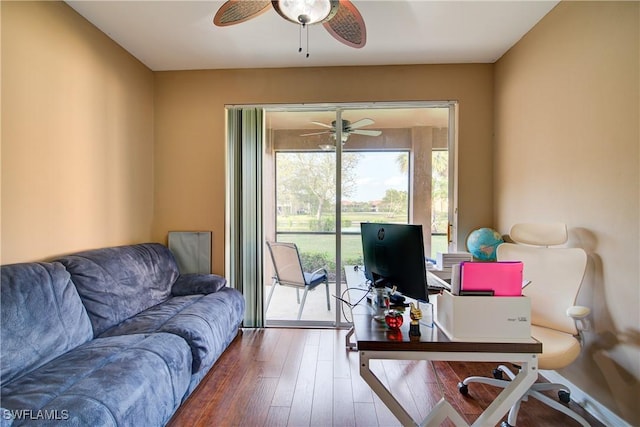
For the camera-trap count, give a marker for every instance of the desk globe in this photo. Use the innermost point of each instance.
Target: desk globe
(482, 243)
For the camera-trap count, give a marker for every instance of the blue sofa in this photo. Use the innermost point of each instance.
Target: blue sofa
(108, 337)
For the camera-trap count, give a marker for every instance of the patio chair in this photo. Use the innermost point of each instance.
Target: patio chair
(289, 272)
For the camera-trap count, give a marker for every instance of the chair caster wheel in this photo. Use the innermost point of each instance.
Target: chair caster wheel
(463, 389)
(564, 396)
(497, 374)
(505, 424)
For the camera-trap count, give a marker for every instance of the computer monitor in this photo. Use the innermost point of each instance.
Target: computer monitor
(394, 256)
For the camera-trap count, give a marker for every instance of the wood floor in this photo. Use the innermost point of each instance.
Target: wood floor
(306, 377)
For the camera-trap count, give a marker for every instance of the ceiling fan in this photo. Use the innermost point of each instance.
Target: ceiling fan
(339, 17)
(348, 128)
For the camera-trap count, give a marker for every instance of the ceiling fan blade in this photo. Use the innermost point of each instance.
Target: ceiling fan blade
(361, 123)
(237, 11)
(317, 133)
(367, 132)
(323, 125)
(347, 26)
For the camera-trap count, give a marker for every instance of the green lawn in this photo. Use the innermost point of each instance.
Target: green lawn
(318, 250)
(351, 245)
(350, 220)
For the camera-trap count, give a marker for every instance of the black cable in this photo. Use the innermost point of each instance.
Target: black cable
(351, 305)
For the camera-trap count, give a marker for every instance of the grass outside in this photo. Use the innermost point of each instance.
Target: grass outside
(318, 250)
(309, 244)
(350, 220)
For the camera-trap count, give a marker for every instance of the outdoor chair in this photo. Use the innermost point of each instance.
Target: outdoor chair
(289, 272)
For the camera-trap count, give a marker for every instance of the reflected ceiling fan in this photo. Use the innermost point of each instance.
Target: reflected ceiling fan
(339, 17)
(348, 128)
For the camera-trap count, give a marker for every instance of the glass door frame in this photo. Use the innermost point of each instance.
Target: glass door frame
(339, 109)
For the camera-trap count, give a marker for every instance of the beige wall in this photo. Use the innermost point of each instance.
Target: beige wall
(77, 136)
(190, 135)
(567, 149)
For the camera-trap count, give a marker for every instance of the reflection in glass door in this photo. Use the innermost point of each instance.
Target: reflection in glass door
(393, 167)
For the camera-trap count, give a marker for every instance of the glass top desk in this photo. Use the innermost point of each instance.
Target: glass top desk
(374, 341)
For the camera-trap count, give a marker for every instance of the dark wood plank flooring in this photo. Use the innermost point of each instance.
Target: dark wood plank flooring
(306, 377)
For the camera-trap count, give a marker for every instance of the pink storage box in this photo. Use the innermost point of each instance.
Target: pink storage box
(504, 278)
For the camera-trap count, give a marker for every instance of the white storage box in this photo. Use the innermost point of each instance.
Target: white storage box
(484, 318)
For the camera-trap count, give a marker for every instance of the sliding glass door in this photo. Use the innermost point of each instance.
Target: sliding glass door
(300, 187)
(328, 168)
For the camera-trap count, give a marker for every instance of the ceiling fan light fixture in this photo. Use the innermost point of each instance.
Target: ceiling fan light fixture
(306, 12)
(344, 137)
(340, 18)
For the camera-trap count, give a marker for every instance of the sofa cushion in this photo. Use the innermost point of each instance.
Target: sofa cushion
(42, 317)
(207, 322)
(119, 381)
(193, 283)
(119, 282)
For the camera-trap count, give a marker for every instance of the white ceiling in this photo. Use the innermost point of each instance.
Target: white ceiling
(180, 35)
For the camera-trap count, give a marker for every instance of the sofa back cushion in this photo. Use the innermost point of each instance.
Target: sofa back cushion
(119, 282)
(42, 317)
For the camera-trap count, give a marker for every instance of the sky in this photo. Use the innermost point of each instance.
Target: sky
(377, 172)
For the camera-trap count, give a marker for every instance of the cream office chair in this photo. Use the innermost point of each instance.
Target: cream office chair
(556, 275)
(289, 272)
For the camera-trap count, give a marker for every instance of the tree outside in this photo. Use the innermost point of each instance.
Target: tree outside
(306, 185)
(440, 191)
(396, 203)
(306, 204)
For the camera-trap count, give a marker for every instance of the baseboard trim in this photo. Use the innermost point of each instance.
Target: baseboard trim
(592, 406)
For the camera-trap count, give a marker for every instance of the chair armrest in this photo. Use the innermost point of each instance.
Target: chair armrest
(193, 284)
(316, 272)
(578, 312)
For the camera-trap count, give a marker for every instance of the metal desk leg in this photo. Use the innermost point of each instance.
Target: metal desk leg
(351, 346)
(385, 395)
(444, 410)
(511, 394)
(441, 412)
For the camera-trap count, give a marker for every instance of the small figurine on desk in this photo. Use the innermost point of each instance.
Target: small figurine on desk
(416, 315)
(393, 319)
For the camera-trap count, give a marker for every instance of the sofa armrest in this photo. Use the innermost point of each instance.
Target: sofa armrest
(6, 417)
(192, 284)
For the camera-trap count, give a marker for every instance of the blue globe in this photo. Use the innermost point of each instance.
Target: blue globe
(482, 243)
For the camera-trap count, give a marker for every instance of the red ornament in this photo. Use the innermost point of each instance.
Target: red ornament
(393, 319)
